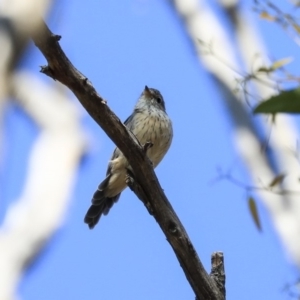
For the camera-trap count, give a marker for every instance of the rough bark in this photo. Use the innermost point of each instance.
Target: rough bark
(61, 69)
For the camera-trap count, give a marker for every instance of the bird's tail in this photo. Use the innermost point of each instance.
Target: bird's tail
(100, 205)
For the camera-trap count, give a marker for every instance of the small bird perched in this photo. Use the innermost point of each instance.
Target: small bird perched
(149, 122)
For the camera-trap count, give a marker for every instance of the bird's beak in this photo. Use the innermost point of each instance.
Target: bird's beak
(147, 92)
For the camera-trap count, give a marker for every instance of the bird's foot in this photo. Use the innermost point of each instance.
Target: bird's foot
(147, 146)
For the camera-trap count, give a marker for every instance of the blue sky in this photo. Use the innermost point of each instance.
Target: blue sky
(121, 46)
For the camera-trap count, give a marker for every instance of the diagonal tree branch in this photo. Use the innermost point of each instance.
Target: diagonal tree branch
(61, 69)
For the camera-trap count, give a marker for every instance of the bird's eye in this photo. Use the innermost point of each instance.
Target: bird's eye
(158, 100)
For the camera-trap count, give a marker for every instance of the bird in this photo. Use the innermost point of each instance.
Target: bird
(150, 123)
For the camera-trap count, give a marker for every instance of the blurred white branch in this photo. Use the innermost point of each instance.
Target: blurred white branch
(55, 155)
(18, 19)
(25, 15)
(52, 167)
(285, 210)
(202, 24)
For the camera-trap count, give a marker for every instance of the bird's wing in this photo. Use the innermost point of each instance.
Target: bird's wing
(129, 123)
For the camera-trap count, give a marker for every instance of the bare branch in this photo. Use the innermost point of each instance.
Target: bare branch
(61, 69)
(218, 270)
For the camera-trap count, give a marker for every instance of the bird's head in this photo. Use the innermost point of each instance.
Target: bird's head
(151, 97)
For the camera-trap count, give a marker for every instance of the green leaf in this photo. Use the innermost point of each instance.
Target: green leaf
(265, 15)
(285, 102)
(254, 212)
(275, 65)
(264, 70)
(277, 180)
(296, 27)
(280, 63)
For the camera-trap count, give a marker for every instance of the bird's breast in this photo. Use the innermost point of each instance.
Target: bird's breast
(154, 127)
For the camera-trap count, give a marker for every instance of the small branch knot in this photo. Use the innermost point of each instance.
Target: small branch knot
(56, 37)
(47, 71)
(173, 228)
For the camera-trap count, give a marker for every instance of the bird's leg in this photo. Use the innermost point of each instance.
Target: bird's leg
(147, 146)
(130, 179)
